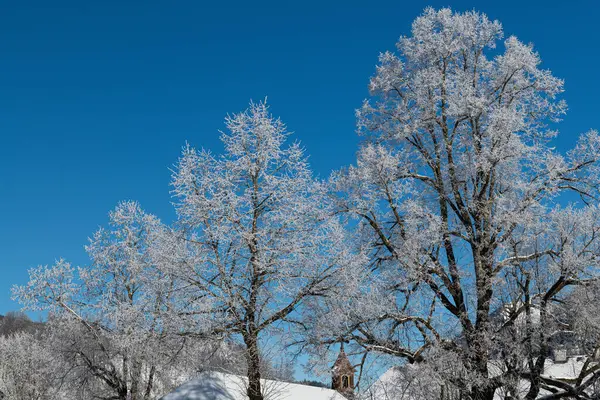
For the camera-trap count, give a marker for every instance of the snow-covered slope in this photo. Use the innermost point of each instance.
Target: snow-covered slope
(221, 386)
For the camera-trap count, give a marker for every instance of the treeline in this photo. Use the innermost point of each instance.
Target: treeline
(14, 322)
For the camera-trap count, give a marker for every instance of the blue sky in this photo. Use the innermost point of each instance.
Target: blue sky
(97, 98)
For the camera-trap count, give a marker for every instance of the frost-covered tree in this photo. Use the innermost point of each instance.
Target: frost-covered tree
(107, 317)
(459, 200)
(29, 370)
(256, 238)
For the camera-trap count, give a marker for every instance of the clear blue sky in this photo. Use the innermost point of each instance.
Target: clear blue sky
(97, 98)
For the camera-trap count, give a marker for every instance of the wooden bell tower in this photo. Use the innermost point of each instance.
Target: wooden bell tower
(342, 375)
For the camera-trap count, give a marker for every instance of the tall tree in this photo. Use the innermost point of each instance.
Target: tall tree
(107, 317)
(258, 236)
(458, 194)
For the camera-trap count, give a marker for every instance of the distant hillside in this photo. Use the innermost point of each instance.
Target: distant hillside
(14, 322)
(313, 383)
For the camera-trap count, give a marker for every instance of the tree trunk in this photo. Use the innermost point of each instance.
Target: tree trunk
(482, 394)
(150, 383)
(251, 334)
(482, 389)
(136, 374)
(253, 359)
(478, 343)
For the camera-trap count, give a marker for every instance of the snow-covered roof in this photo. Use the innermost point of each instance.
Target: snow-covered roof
(221, 386)
(407, 382)
(569, 369)
(389, 386)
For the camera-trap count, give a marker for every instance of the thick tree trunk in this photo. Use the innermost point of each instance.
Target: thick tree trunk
(481, 390)
(482, 394)
(150, 384)
(253, 360)
(136, 374)
(122, 393)
(479, 340)
(538, 369)
(125, 375)
(251, 334)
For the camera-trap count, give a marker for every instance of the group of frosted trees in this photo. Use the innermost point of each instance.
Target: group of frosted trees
(460, 241)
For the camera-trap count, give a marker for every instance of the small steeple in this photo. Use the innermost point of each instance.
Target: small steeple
(342, 375)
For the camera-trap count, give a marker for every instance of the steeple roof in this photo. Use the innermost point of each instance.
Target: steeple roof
(342, 364)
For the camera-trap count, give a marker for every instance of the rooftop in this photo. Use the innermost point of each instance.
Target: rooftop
(222, 386)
